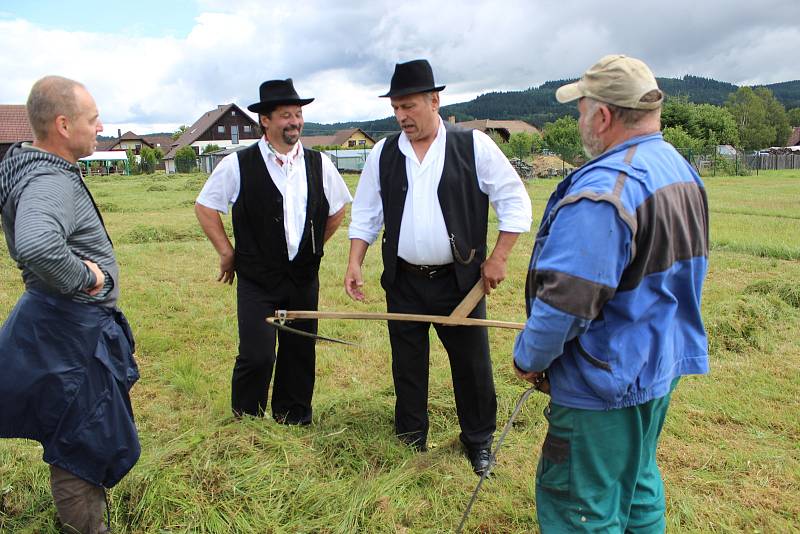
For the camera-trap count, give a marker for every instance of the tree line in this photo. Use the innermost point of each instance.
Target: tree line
(699, 114)
(538, 106)
(750, 118)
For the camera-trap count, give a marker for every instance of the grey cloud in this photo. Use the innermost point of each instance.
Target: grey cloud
(344, 54)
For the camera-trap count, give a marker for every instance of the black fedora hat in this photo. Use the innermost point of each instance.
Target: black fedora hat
(412, 77)
(274, 93)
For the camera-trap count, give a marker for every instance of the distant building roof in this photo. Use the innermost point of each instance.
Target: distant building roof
(794, 139)
(200, 127)
(14, 125)
(129, 136)
(161, 141)
(511, 126)
(317, 140)
(164, 142)
(337, 138)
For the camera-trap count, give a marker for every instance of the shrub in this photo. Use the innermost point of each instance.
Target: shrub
(185, 159)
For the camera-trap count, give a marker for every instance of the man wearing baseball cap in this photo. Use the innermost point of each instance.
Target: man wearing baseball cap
(613, 298)
(287, 201)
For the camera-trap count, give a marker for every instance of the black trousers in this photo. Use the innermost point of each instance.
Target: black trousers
(296, 357)
(467, 348)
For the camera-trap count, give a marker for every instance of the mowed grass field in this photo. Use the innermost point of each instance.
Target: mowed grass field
(730, 450)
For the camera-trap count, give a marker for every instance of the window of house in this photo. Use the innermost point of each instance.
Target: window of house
(362, 142)
(246, 128)
(351, 142)
(233, 113)
(235, 134)
(221, 129)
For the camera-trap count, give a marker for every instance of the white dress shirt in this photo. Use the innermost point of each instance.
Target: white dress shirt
(222, 188)
(423, 234)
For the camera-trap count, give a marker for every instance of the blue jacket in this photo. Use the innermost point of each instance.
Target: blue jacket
(67, 369)
(614, 284)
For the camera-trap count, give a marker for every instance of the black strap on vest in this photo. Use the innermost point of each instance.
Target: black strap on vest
(465, 207)
(260, 239)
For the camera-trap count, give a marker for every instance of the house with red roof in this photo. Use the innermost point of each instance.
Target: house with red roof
(14, 126)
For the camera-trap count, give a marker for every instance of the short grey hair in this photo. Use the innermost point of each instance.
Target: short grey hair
(630, 118)
(50, 97)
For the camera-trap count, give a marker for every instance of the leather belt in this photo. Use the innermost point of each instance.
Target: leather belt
(428, 271)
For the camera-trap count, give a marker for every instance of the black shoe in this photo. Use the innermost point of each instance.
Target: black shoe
(480, 460)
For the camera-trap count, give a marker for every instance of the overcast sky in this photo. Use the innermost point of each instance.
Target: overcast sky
(153, 65)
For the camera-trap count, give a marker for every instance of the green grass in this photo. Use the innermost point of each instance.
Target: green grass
(729, 452)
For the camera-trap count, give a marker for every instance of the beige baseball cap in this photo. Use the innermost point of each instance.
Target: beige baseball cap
(615, 79)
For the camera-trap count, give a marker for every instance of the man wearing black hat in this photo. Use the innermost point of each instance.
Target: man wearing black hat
(431, 186)
(287, 201)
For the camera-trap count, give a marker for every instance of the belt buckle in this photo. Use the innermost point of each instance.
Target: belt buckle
(432, 273)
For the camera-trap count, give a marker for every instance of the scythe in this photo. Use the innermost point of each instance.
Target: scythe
(457, 318)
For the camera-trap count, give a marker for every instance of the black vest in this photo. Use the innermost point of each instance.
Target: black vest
(260, 252)
(464, 206)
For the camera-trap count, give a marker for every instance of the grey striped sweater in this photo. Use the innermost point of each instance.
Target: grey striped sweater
(51, 224)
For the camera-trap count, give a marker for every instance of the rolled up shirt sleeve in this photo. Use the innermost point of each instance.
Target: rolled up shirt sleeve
(222, 187)
(498, 179)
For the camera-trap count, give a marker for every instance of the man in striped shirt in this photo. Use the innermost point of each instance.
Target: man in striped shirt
(65, 349)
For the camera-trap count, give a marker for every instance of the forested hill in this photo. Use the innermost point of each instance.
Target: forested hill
(538, 105)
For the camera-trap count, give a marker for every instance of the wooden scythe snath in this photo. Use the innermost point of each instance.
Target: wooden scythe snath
(457, 318)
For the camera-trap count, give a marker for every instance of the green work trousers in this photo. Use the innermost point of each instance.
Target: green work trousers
(598, 472)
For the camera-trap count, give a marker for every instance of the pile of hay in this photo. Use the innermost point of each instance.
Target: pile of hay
(547, 166)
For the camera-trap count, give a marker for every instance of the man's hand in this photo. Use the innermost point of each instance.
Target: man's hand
(226, 272)
(100, 278)
(211, 223)
(353, 282)
(353, 279)
(537, 378)
(493, 271)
